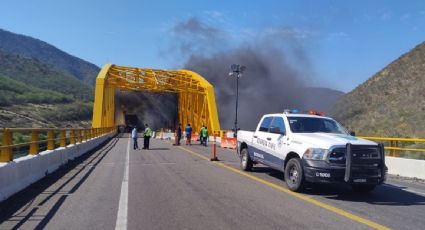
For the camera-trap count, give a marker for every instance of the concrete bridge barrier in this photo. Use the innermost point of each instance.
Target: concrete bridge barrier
(18, 174)
(406, 167)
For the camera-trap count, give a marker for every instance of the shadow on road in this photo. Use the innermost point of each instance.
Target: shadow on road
(26, 199)
(269, 171)
(382, 195)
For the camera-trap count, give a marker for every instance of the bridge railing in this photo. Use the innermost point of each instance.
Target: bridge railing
(21, 141)
(402, 147)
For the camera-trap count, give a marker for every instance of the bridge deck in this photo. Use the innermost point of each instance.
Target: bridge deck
(178, 188)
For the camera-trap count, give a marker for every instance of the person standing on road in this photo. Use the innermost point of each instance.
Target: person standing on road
(200, 135)
(179, 134)
(204, 136)
(134, 136)
(146, 136)
(188, 131)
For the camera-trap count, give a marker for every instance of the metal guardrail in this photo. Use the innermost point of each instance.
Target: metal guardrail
(395, 145)
(54, 138)
(50, 139)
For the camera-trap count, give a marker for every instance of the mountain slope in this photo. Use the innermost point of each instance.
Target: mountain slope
(14, 92)
(390, 103)
(37, 74)
(34, 94)
(321, 99)
(26, 46)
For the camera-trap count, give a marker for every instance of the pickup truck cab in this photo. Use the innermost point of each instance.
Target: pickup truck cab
(312, 148)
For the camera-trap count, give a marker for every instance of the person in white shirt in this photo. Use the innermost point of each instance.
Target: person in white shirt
(134, 136)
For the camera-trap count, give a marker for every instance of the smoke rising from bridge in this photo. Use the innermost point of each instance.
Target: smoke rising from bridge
(271, 82)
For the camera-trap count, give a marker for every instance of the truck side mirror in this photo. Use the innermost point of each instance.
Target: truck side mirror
(276, 130)
(352, 133)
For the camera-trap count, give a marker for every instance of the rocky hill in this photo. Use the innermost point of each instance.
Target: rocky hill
(321, 99)
(39, 75)
(35, 92)
(391, 103)
(29, 47)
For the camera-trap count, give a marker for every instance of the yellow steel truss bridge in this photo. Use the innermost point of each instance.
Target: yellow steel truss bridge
(196, 100)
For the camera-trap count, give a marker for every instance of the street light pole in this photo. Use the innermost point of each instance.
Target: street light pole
(237, 72)
(236, 113)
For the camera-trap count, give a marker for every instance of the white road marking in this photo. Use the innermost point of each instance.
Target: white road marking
(121, 223)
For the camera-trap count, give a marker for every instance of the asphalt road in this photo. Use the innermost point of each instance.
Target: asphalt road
(171, 187)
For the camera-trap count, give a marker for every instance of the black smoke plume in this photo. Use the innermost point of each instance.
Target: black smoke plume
(275, 79)
(270, 83)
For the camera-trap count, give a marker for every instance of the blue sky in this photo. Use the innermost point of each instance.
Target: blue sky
(346, 42)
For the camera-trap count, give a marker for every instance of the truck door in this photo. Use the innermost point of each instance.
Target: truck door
(277, 141)
(259, 151)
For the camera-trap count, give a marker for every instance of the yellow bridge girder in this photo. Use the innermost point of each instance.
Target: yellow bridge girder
(196, 100)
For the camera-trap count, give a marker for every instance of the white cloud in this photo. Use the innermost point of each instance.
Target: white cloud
(385, 15)
(288, 32)
(339, 34)
(405, 17)
(215, 16)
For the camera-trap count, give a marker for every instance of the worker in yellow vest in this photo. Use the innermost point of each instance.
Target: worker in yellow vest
(147, 134)
(204, 136)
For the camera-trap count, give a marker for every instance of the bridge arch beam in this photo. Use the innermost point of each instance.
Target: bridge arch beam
(196, 99)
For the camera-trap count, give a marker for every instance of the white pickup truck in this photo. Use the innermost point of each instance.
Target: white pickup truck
(312, 148)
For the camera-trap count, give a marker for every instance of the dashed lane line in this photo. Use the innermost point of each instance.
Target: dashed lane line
(305, 198)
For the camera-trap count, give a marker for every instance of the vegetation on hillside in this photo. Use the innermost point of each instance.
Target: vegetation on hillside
(71, 112)
(75, 114)
(29, 47)
(14, 92)
(35, 73)
(391, 103)
(34, 94)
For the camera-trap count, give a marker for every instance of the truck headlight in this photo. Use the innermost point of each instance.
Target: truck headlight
(316, 154)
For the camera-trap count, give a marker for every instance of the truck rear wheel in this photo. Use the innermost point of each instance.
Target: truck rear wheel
(294, 175)
(363, 188)
(246, 162)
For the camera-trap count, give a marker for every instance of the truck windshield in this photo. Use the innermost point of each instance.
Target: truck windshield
(314, 125)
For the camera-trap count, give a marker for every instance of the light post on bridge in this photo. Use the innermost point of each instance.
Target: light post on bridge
(237, 71)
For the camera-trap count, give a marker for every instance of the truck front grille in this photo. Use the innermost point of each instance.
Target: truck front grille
(360, 154)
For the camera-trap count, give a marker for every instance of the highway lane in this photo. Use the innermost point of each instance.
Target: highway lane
(398, 204)
(177, 188)
(82, 195)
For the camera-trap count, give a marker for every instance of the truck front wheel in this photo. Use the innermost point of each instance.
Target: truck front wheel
(246, 162)
(294, 177)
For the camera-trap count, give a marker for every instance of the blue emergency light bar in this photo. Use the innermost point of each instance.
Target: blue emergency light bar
(312, 112)
(291, 111)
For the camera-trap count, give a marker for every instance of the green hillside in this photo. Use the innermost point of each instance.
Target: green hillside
(35, 73)
(13, 92)
(34, 94)
(391, 103)
(59, 60)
